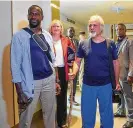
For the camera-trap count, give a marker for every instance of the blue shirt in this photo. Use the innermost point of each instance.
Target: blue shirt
(21, 66)
(96, 63)
(40, 63)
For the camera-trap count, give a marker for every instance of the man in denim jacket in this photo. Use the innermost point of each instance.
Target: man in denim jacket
(33, 72)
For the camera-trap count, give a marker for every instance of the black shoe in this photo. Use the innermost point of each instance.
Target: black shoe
(128, 125)
(120, 113)
(63, 126)
(75, 103)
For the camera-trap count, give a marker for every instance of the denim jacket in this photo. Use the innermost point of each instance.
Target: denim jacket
(21, 67)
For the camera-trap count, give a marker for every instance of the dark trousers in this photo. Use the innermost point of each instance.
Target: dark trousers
(74, 86)
(121, 104)
(62, 98)
(128, 97)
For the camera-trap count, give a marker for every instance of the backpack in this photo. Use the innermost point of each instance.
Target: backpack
(111, 66)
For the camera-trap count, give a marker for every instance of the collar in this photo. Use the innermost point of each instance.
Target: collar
(121, 39)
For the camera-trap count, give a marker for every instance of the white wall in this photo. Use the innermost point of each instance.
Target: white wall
(5, 32)
(5, 39)
(5, 29)
(107, 31)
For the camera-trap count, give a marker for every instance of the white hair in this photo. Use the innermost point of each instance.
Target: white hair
(99, 19)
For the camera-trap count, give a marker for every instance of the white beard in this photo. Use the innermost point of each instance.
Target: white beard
(92, 34)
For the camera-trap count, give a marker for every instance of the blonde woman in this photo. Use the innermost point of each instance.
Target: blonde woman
(61, 44)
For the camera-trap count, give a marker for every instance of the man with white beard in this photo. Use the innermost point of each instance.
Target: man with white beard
(97, 82)
(3, 114)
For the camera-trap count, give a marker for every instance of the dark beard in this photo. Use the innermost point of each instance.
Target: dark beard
(34, 25)
(71, 36)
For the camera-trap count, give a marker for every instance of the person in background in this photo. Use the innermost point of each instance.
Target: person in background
(82, 36)
(32, 55)
(71, 36)
(61, 44)
(125, 56)
(97, 76)
(121, 39)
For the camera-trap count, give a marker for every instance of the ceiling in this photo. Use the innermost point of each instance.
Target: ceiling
(111, 11)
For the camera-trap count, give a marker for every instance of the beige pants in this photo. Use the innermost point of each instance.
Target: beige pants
(45, 92)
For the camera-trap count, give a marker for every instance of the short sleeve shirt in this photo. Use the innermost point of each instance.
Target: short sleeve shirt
(96, 62)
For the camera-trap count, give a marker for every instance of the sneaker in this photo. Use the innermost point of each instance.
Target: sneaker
(64, 126)
(128, 125)
(74, 102)
(120, 113)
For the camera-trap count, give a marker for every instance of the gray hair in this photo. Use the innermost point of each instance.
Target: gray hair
(98, 19)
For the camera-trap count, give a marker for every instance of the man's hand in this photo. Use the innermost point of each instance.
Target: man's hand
(71, 76)
(118, 87)
(58, 89)
(130, 79)
(22, 98)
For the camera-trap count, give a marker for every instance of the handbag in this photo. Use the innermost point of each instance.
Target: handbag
(115, 96)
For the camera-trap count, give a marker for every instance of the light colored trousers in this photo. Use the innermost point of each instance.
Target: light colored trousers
(128, 96)
(45, 92)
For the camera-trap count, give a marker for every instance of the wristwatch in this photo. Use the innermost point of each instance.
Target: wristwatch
(58, 81)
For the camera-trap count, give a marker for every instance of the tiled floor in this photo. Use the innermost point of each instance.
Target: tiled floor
(76, 117)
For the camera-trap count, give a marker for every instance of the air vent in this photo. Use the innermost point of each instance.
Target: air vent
(71, 21)
(117, 9)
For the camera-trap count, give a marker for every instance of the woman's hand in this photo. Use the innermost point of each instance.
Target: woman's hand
(58, 89)
(71, 76)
